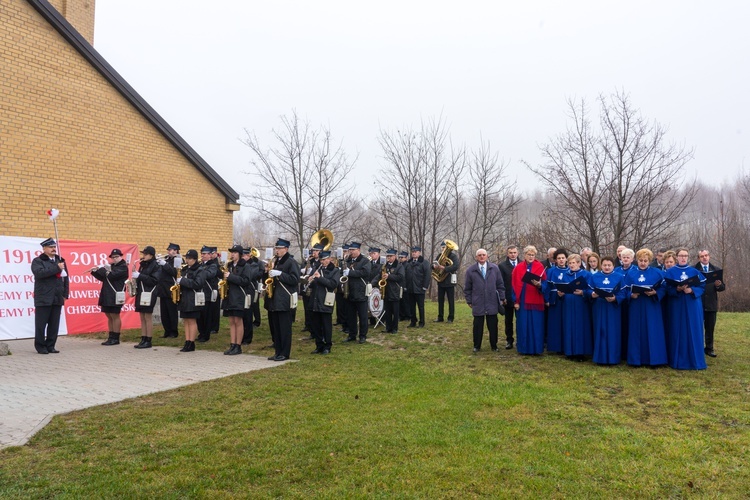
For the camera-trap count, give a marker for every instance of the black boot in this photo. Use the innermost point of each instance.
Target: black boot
(230, 350)
(145, 343)
(114, 339)
(236, 350)
(191, 347)
(186, 347)
(139, 344)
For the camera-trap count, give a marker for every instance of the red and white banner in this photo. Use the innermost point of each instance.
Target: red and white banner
(81, 313)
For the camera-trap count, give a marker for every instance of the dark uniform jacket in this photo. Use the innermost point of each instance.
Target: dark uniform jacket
(506, 269)
(116, 278)
(310, 267)
(288, 279)
(211, 274)
(166, 278)
(420, 276)
(147, 281)
(359, 277)
(710, 295)
(50, 289)
(240, 278)
(452, 269)
(327, 282)
(192, 280)
(394, 281)
(376, 270)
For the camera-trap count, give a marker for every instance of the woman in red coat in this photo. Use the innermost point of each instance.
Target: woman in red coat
(528, 296)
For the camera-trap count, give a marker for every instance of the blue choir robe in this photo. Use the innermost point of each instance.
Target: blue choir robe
(576, 319)
(625, 315)
(646, 342)
(607, 317)
(529, 322)
(685, 321)
(555, 310)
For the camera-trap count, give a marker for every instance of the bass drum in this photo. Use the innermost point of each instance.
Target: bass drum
(375, 303)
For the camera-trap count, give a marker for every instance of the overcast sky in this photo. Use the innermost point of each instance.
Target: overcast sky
(500, 69)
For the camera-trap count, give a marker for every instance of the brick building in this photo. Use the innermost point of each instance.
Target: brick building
(75, 136)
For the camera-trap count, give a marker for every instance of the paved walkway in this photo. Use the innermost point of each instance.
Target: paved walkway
(34, 387)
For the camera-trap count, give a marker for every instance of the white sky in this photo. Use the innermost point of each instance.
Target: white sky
(500, 69)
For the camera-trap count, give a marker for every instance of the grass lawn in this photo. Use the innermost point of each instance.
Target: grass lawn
(412, 415)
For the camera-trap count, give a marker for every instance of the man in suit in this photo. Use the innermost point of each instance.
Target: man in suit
(585, 252)
(710, 300)
(417, 283)
(483, 289)
(506, 270)
(447, 286)
(658, 261)
(358, 273)
(51, 287)
(550, 261)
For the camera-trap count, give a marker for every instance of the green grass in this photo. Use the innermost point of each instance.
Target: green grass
(413, 415)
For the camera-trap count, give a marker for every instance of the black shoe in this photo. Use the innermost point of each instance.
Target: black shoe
(411, 325)
(202, 339)
(247, 342)
(450, 320)
(229, 351)
(235, 350)
(186, 347)
(394, 332)
(173, 335)
(42, 351)
(421, 325)
(509, 345)
(317, 351)
(272, 358)
(191, 347)
(325, 351)
(494, 349)
(256, 323)
(476, 349)
(145, 343)
(349, 339)
(279, 358)
(139, 344)
(114, 339)
(52, 350)
(710, 352)
(212, 332)
(439, 320)
(166, 335)
(362, 341)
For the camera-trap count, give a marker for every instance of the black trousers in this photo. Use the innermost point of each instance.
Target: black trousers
(403, 307)
(479, 330)
(416, 301)
(46, 321)
(214, 315)
(272, 329)
(204, 320)
(510, 311)
(709, 324)
(341, 309)
(322, 329)
(247, 323)
(307, 303)
(282, 324)
(169, 317)
(357, 310)
(256, 312)
(450, 292)
(391, 309)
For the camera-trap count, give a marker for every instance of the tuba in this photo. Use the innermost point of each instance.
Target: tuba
(323, 237)
(444, 261)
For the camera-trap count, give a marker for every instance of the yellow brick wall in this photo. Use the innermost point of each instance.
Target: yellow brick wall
(69, 140)
(80, 14)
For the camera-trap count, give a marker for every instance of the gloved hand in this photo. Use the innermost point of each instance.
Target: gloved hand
(346, 272)
(274, 272)
(161, 262)
(108, 267)
(136, 274)
(178, 280)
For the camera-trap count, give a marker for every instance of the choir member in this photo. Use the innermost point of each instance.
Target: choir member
(555, 274)
(578, 341)
(528, 300)
(606, 311)
(685, 320)
(646, 343)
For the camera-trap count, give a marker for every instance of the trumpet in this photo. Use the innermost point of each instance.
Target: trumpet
(175, 289)
(223, 285)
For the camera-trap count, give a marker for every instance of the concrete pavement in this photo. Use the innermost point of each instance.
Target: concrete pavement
(34, 387)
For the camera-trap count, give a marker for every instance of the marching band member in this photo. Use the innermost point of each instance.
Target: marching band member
(239, 276)
(191, 281)
(375, 271)
(285, 275)
(606, 311)
(313, 262)
(358, 273)
(685, 317)
(214, 307)
(447, 286)
(646, 342)
(403, 304)
(51, 287)
(528, 298)
(211, 275)
(247, 317)
(323, 282)
(417, 285)
(396, 275)
(146, 278)
(167, 308)
(113, 278)
(342, 310)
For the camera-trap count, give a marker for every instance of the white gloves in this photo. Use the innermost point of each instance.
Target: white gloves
(108, 267)
(161, 262)
(274, 272)
(346, 272)
(178, 280)
(136, 274)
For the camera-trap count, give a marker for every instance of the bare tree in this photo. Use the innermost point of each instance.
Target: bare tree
(623, 183)
(299, 180)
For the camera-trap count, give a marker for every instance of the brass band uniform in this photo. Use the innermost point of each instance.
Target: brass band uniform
(191, 285)
(247, 317)
(146, 279)
(313, 262)
(51, 288)
(395, 273)
(417, 285)
(284, 278)
(211, 276)
(214, 307)
(375, 271)
(323, 284)
(342, 313)
(403, 304)
(447, 285)
(358, 274)
(168, 309)
(112, 294)
(238, 277)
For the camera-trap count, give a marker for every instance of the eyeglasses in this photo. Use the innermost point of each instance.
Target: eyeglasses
(682, 255)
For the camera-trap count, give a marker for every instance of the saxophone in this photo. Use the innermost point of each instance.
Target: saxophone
(344, 280)
(175, 289)
(223, 285)
(131, 284)
(269, 280)
(383, 281)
